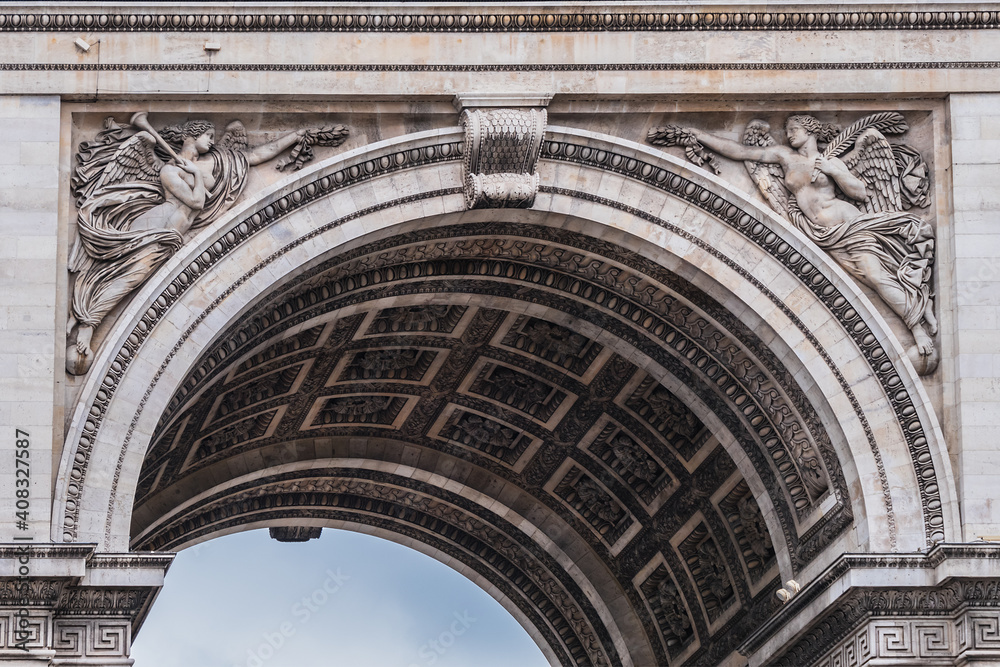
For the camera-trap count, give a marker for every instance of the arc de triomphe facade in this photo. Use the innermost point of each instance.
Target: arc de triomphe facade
(674, 326)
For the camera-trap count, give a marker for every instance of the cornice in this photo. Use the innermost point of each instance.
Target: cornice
(934, 558)
(506, 67)
(131, 560)
(87, 552)
(48, 551)
(496, 17)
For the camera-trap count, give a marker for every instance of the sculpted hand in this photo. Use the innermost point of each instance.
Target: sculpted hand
(188, 166)
(821, 165)
(691, 136)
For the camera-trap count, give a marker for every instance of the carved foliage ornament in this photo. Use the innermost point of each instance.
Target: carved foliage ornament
(851, 192)
(141, 191)
(501, 151)
(672, 608)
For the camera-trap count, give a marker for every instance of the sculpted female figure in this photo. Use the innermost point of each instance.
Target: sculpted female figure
(888, 250)
(135, 209)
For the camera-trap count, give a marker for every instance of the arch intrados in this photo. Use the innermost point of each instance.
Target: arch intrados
(357, 527)
(586, 574)
(403, 210)
(630, 161)
(223, 466)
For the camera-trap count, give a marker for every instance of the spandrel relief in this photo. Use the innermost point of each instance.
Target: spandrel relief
(142, 192)
(854, 193)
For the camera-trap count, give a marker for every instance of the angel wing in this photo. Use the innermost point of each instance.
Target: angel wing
(872, 159)
(134, 161)
(770, 178)
(109, 158)
(874, 162)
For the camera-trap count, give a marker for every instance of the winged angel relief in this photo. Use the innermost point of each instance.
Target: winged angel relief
(851, 199)
(139, 192)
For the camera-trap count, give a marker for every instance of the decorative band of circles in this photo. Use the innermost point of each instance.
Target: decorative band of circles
(507, 67)
(505, 22)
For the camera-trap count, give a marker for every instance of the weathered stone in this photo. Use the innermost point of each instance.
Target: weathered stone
(633, 387)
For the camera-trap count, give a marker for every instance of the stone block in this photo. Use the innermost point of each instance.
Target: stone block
(38, 153)
(967, 128)
(975, 221)
(978, 175)
(983, 387)
(990, 127)
(983, 151)
(974, 105)
(979, 413)
(975, 365)
(979, 318)
(977, 198)
(28, 129)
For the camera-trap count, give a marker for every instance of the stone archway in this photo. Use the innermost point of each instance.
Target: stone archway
(515, 421)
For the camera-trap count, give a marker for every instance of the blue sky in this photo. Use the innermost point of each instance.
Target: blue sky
(347, 598)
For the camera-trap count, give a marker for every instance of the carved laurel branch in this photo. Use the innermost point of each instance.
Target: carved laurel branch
(249, 501)
(504, 22)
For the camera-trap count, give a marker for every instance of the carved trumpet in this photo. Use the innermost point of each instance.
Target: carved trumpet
(139, 120)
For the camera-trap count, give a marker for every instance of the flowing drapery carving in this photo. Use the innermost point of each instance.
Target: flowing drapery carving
(140, 191)
(853, 200)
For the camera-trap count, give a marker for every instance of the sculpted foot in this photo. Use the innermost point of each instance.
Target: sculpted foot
(923, 355)
(83, 336)
(79, 356)
(922, 341)
(929, 319)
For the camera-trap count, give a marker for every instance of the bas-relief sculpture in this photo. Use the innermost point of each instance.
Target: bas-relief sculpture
(852, 199)
(139, 194)
(732, 561)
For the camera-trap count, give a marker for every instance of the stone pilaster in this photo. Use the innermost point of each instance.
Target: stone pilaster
(29, 196)
(974, 422)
